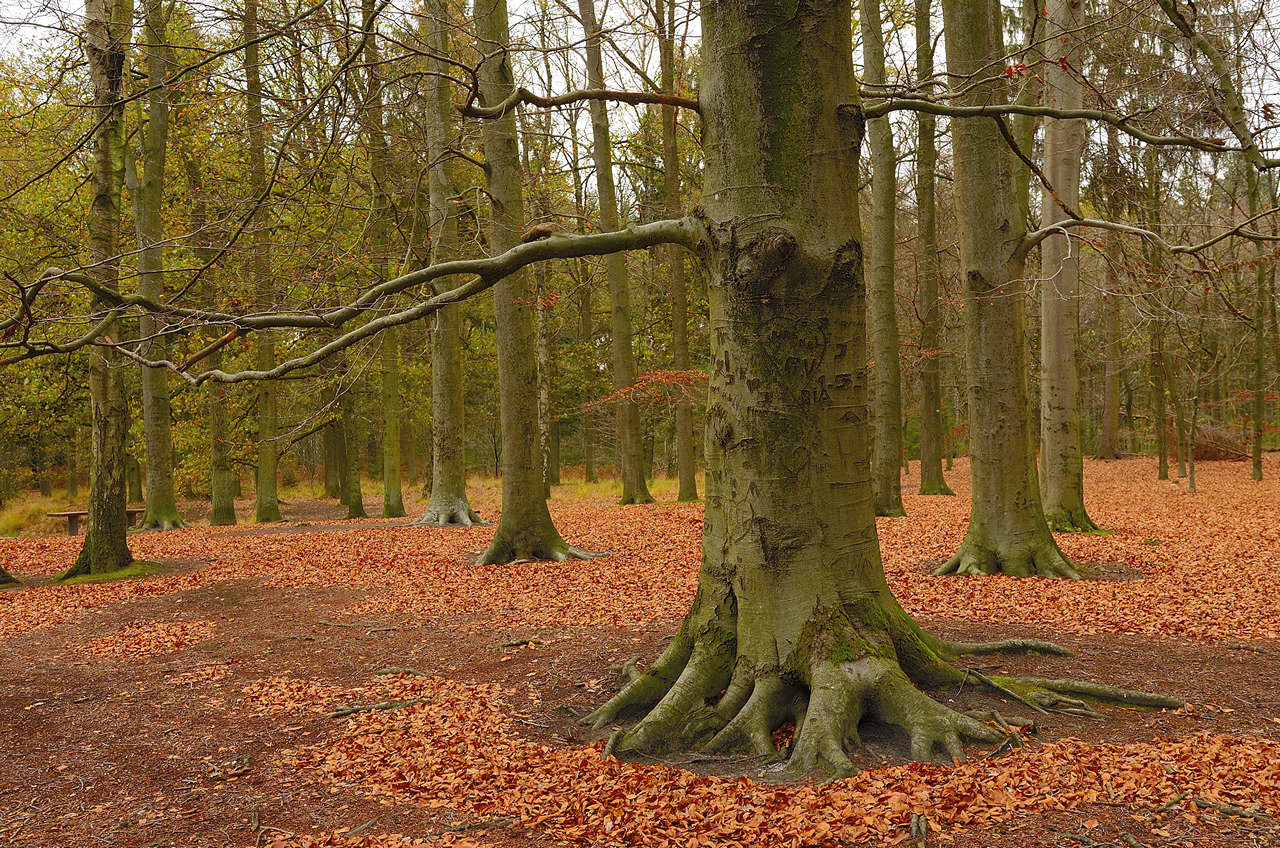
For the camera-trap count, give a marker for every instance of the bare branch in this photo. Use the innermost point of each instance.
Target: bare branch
(524, 95)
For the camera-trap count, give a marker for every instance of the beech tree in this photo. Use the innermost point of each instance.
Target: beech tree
(793, 618)
(1061, 452)
(448, 503)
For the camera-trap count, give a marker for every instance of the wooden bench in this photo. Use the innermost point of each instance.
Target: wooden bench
(73, 517)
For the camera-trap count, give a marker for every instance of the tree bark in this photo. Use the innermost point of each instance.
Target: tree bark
(448, 504)
(108, 28)
(222, 477)
(161, 505)
(1262, 306)
(674, 255)
(635, 486)
(1061, 452)
(882, 314)
(1007, 528)
(267, 507)
(793, 619)
(351, 442)
(932, 432)
(525, 530)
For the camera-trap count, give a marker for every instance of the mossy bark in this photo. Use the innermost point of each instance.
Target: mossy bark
(1061, 451)
(1007, 529)
(525, 529)
(108, 27)
(793, 619)
(932, 433)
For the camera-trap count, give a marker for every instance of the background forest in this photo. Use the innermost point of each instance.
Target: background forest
(275, 160)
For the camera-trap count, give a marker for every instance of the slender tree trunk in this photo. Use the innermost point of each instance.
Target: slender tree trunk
(1109, 440)
(882, 313)
(108, 28)
(264, 355)
(448, 504)
(1061, 452)
(932, 432)
(793, 618)
(1159, 402)
(635, 487)
(673, 256)
(393, 495)
(1262, 306)
(161, 505)
(525, 530)
(1007, 528)
(351, 442)
(222, 476)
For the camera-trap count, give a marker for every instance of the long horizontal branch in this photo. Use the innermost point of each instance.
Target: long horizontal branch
(524, 95)
(1125, 123)
(484, 274)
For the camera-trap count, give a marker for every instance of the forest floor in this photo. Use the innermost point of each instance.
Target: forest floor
(203, 705)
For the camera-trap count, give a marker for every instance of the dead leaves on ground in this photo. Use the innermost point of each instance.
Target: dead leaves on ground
(1201, 566)
(147, 638)
(455, 748)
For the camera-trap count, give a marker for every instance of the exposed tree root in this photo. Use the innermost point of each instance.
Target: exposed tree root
(856, 665)
(449, 512)
(162, 524)
(1044, 560)
(503, 553)
(1071, 521)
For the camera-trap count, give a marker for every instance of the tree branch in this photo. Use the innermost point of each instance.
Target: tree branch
(524, 95)
(689, 232)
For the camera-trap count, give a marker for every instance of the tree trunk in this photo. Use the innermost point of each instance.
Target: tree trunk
(793, 619)
(161, 505)
(267, 507)
(223, 479)
(1007, 528)
(932, 432)
(1061, 453)
(635, 486)
(448, 504)
(525, 530)
(1109, 440)
(1159, 403)
(882, 314)
(393, 495)
(674, 255)
(1262, 306)
(108, 25)
(351, 441)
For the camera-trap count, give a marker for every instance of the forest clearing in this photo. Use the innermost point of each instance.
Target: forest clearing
(359, 683)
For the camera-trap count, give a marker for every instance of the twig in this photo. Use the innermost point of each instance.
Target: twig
(362, 828)
(1172, 802)
(1229, 809)
(1128, 839)
(385, 705)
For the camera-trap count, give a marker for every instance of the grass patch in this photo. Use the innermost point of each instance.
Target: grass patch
(137, 568)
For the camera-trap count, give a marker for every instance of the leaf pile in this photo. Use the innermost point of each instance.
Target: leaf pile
(147, 638)
(453, 747)
(281, 694)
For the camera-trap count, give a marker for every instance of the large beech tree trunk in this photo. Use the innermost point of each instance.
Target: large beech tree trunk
(108, 26)
(1007, 528)
(525, 530)
(635, 486)
(793, 618)
(886, 461)
(1061, 452)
